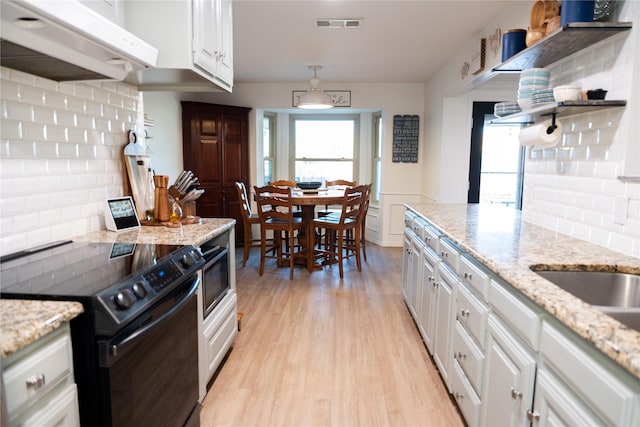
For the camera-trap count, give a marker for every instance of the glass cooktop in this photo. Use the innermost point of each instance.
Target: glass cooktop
(74, 270)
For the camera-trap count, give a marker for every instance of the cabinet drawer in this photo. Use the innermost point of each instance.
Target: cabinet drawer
(467, 399)
(469, 356)
(60, 409)
(475, 275)
(408, 219)
(603, 387)
(432, 238)
(450, 254)
(523, 317)
(37, 368)
(472, 313)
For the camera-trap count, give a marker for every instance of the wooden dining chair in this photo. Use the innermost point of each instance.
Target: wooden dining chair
(248, 220)
(276, 215)
(339, 246)
(339, 183)
(284, 183)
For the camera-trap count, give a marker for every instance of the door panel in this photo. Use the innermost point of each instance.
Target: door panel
(216, 150)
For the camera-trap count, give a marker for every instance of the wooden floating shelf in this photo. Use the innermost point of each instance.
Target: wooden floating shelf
(560, 109)
(563, 42)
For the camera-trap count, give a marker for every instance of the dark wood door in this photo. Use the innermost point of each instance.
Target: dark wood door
(216, 149)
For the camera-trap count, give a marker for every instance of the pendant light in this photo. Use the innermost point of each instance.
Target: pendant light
(315, 98)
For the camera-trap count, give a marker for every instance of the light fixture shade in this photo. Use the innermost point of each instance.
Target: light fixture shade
(315, 98)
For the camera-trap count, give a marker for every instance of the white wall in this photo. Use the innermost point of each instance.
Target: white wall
(400, 183)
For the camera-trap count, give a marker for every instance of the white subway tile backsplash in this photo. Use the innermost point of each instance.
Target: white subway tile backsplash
(61, 156)
(572, 189)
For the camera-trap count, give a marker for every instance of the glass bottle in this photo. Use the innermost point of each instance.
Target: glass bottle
(149, 196)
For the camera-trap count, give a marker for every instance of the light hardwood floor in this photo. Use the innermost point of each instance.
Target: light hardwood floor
(320, 351)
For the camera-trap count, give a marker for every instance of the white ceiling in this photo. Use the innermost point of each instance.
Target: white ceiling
(399, 41)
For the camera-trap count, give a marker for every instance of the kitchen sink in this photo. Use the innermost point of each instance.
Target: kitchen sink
(615, 294)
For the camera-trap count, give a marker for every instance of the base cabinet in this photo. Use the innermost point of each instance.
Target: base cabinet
(510, 373)
(505, 361)
(38, 383)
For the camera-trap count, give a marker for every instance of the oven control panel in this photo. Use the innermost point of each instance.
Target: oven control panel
(125, 300)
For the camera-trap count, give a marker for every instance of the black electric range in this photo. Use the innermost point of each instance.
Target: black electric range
(139, 319)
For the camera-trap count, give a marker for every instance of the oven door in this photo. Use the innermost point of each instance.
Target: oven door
(215, 278)
(149, 371)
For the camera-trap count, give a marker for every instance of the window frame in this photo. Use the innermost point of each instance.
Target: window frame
(271, 155)
(355, 118)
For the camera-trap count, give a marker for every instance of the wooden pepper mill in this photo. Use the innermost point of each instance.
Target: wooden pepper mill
(161, 207)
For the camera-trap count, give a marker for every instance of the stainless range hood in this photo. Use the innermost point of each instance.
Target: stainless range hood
(68, 41)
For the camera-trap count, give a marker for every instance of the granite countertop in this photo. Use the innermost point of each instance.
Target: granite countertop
(24, 321)
(498, 238)
(188, 234)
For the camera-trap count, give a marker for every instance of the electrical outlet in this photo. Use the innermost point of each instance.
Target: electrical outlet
(620, 208)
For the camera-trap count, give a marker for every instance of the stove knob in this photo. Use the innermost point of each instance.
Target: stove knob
(139, 290)
(125, 299)
(187, 260)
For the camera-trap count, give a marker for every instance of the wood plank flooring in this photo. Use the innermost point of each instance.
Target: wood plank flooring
(320, 351)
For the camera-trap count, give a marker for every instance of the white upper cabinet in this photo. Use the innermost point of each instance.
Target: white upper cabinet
(195, 43)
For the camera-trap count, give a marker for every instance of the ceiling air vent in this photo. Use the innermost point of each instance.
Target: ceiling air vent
(338, 23)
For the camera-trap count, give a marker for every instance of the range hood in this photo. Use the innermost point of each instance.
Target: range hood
(68, 41)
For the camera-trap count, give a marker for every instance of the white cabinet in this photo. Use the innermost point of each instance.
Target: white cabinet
(506, 361)
(407, 269)
(578, 385)
(39, 387)
(429, 299)
(213, 39)
(194, 39)
(510, 371)
(445, 319)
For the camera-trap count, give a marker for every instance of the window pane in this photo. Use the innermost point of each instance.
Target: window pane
(324, 139)
(268, 171)
(266, 136)
(323, 170)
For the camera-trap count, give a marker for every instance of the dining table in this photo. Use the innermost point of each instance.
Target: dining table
(308, 200)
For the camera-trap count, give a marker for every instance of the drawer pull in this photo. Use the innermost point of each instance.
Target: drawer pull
(458, 396)
(36, 382)
(459, 355)
(467, 275)
(444, 254)
(464, 313)
(515, 394)
(533, 416)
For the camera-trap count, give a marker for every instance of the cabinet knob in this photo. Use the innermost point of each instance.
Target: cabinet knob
(533, 416)
(36, 382)
(515, 394)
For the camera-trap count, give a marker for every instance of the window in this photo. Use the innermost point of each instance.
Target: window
(376, 169)
(269, 146)
(324, 147)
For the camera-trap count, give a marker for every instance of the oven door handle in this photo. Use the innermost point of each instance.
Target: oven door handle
(118, 347)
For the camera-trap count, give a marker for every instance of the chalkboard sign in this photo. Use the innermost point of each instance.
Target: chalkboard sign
(405, 138)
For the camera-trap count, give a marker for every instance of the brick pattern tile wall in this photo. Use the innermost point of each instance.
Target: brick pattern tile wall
(61, 148)
(573, 187)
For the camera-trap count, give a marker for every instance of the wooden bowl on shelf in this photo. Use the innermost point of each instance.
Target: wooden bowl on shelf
(534, 36)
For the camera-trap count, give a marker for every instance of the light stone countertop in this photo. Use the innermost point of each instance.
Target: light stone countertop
(496, 236)
(24, 321)
(190, 234)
